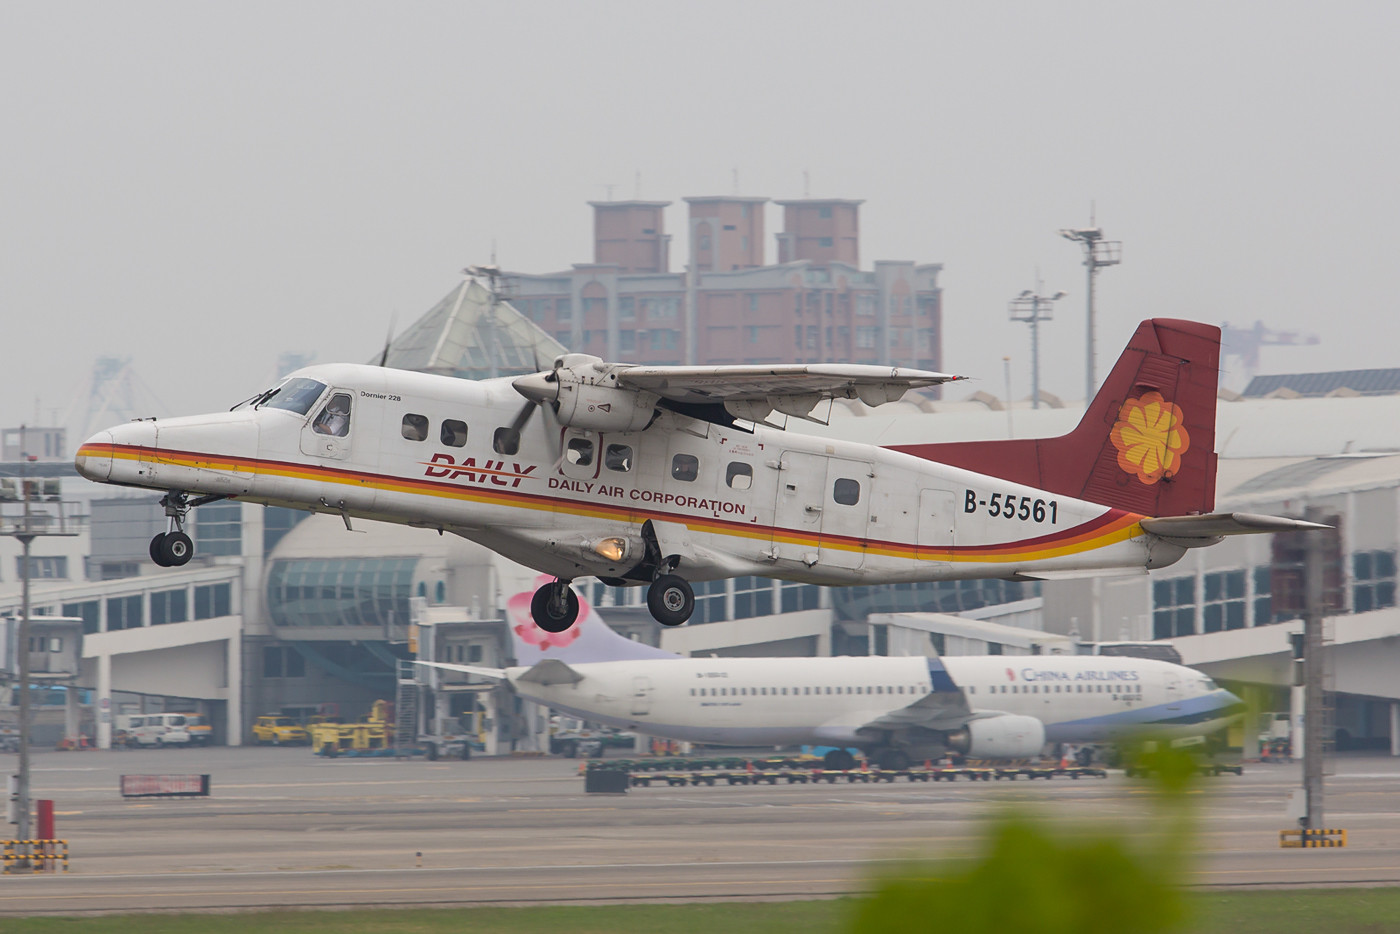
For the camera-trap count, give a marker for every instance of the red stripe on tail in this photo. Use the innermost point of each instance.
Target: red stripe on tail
(1146, 443)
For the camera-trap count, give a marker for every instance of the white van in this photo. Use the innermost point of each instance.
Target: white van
(155, 729)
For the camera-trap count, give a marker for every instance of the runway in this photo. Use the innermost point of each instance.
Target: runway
(284, 828)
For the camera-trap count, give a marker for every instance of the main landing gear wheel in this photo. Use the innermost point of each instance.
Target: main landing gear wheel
(670, 600)
(171, 549)
(893, 760)
(554, 606)
(839, 760)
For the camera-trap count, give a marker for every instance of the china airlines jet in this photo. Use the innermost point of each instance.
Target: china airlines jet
(896, 710)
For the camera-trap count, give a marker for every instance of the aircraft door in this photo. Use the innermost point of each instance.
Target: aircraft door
(328, 434)
(798, 516)
(937, 518)
(845, 513)
(641, 696)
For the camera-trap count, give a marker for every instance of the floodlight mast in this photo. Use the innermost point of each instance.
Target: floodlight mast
(1032, 308)
(1098, 253)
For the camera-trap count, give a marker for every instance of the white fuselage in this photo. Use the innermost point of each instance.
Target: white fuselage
(828, 701)
(428, 451)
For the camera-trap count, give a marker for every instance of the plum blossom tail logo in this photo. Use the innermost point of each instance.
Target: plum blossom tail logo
(531, 634)
(1150, 437)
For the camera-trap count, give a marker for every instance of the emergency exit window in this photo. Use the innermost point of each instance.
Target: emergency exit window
(738, 475)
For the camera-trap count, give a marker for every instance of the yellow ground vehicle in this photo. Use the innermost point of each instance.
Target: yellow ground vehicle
(370, 736)
(279, 731)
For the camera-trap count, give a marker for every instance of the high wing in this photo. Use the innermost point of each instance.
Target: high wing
(871, 384)
(591, 394)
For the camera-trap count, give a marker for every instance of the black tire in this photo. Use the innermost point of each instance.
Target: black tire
(157, 554)
(839, 760)
(542, 608)
(893, 760)
(670, 599)
(177, 549)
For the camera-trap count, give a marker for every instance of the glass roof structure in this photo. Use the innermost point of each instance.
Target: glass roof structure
(473, 334)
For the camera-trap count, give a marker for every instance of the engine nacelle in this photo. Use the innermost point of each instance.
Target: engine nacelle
(1006, 736)
(603, 408)
(585, 394)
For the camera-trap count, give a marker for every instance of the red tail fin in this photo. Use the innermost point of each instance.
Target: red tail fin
(1146, 444)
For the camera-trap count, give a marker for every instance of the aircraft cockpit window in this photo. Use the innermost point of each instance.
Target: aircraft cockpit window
(506, 440)
(738, 475)
(334, 419)
(618, 457)
(415, 427)
(579, 451)
(454, 433)
(296, 395)
(846, 492)
(685, 467)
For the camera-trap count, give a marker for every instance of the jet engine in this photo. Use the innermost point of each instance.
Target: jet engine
(584, 392)
(1006, 736)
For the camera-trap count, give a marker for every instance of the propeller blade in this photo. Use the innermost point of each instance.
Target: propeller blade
(523, 415)
(388, 338)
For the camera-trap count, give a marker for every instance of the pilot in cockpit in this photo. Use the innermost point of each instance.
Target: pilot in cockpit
(335, 417)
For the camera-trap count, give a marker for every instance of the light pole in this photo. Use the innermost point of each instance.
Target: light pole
(1098, 253)
(28, 525)
(1032, 308)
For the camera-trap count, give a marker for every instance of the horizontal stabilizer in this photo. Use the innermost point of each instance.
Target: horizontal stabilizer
(495, 674)
(1207, 529)
(551, 671)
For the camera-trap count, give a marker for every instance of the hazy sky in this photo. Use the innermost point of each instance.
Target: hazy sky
(201, 186)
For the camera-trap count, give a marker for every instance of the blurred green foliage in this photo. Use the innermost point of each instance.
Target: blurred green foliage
(1037, 878)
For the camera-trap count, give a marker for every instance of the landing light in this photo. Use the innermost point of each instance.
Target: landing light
(613, 549)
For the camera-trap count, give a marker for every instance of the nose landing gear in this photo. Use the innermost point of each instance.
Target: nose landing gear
(173, 548)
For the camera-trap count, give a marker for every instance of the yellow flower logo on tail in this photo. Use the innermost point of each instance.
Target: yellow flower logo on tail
(1150, 437)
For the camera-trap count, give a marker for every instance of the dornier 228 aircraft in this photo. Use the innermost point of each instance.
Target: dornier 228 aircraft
(660, 475)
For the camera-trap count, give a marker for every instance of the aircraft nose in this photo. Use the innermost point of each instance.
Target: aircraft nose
(94, 457)
(1232, 705)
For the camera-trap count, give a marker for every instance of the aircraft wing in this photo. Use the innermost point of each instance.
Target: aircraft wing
(791, 388)
(938, 710)
(1193, 531)
(548, 671)
(495, 674)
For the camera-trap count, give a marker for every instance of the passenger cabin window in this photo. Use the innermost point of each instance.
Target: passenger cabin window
(334, 419)
(506, 440)
(738, 476)
(579, 451)
(296, 395)
(685, 467)
(846, 492)
(618, 457)
(415, 427)
(454, 433)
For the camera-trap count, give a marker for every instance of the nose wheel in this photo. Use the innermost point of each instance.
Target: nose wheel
(670, 599)
(173, 548)
(554, 606)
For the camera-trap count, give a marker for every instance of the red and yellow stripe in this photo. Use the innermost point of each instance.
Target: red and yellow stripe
(1112, 527)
